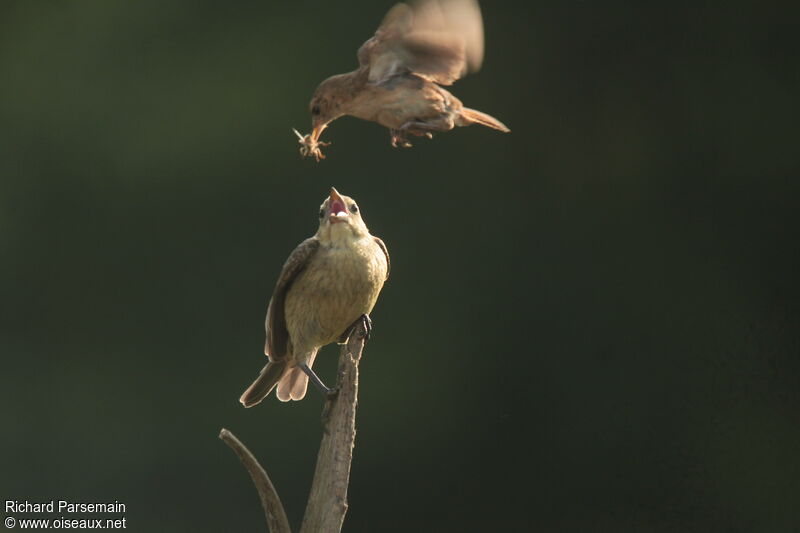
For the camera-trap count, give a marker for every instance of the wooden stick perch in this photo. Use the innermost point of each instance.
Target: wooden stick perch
(327, 502)
(277, 522)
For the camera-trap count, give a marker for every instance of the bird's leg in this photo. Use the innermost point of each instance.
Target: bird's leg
(419, 132)
(367, 322)
(314, 378)
(426, 128)
(363, 319)
(344, 337)
(398, 139)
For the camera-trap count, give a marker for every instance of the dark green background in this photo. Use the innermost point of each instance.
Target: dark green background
(591, 325)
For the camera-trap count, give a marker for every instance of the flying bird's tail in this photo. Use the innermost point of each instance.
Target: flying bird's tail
(473, 116)
(263, 384)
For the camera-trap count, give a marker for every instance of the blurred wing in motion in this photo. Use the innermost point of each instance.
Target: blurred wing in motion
(439, 40)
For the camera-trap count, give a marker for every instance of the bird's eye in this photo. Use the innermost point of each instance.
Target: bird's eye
(315, 110)
(321, 213)
(353, 208)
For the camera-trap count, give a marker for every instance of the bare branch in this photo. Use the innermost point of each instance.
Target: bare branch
(277, 522)
(327, 503)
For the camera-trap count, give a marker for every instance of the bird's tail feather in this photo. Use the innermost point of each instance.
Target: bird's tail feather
(473, 116)
(264, 383)
(294, 383)
(292, 379)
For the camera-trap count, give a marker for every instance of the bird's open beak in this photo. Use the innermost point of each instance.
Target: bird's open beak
(337, 206)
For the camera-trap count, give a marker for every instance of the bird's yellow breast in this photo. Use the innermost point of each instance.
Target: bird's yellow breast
(341, 283)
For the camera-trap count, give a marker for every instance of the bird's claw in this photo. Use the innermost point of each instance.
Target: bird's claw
(399, 136)
(366, 321)
(398, 139)
(330, 396)
(310, 147)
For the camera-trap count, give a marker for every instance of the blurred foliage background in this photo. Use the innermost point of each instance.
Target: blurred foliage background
(592, 322)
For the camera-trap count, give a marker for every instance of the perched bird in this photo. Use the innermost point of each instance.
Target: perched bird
(329, 282)
(401, 69)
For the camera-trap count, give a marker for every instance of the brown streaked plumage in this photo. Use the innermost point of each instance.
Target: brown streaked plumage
(330, 281)
(415, 51)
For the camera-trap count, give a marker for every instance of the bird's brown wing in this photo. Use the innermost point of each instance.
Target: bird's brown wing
(439, 40)
(277, 334)
(386, 253)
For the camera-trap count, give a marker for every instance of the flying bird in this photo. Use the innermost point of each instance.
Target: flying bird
(416, 50)
(329, 283)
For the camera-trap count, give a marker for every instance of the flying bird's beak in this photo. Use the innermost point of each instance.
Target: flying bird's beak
(338, 207)
(317, 131)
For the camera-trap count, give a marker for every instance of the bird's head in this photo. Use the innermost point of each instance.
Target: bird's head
(328, 103)
(340, 218)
